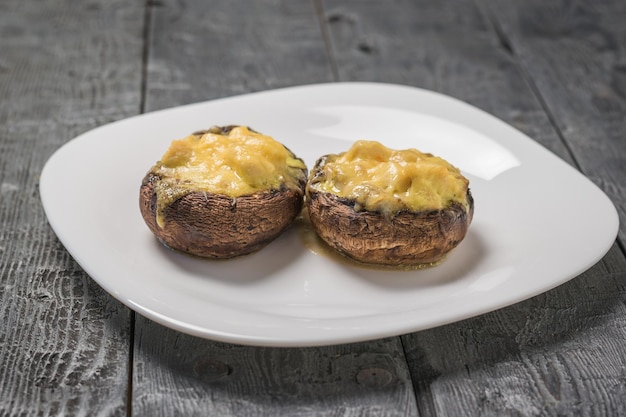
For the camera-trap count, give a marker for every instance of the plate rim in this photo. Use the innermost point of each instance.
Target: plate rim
(301, 341)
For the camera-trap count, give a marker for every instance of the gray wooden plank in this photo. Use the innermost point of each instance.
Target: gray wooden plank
(554, 354)
(177, 374)
(575, 55)
(62, 340)
(201, 51)
(205, 51)
(65, 67)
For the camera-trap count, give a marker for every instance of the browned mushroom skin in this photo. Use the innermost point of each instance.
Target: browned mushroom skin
(404, 239)
(218, 226)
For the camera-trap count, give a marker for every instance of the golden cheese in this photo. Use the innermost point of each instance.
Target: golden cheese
(385, 180)
(235, 163)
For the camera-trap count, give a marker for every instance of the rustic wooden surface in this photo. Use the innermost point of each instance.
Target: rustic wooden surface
(554, 69)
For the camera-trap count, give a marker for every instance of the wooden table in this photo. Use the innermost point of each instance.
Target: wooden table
(554, 69)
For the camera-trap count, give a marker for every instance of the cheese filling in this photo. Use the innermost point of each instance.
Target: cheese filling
(235, 163)
(384, 180)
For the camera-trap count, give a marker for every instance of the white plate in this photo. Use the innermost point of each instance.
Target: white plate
(537, 224)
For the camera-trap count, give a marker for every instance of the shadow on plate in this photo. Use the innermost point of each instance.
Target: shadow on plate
(243, 270)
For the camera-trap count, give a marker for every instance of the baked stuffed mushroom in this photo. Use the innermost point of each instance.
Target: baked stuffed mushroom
(387, 207)
(222, 192)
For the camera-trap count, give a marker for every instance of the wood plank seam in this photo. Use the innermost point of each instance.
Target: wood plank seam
(325, 31)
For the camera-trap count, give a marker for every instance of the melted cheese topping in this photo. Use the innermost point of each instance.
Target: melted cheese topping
(240, 162)
(381, 179)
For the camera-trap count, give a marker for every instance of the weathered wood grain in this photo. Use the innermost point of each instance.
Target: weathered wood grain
(556, 354)
(223, 48)
(65, 67)
(177, 374)
(553, 69)
(200, 51)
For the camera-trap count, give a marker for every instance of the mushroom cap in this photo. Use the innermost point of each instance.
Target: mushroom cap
(188, 212)
(401, 238)
(218, 226)
(406, 239)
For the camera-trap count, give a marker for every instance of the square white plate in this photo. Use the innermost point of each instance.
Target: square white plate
(538, 222)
